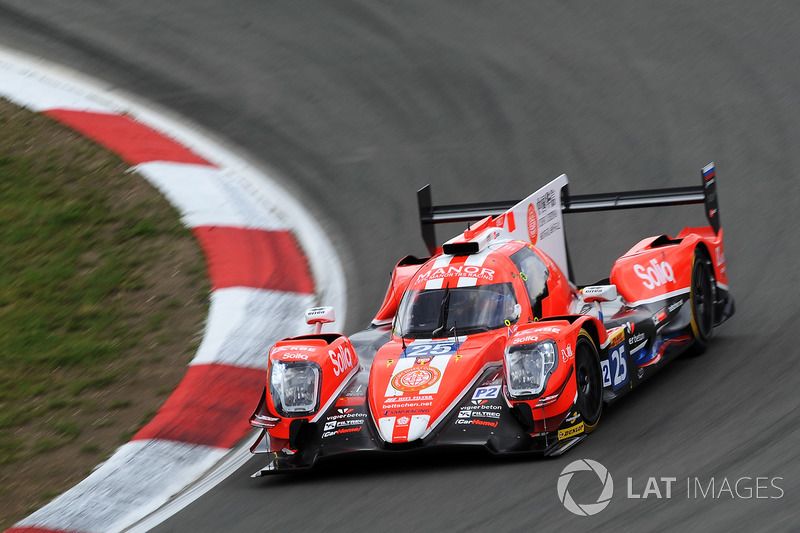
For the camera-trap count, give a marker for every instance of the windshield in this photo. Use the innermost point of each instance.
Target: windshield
(456, 311)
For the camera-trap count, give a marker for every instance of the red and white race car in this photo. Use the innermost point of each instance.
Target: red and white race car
(488, 342)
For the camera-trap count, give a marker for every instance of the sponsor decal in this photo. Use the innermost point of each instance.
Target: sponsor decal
(408, 406)
(546, 201)
(293, 348)
(573, 417)
(342, 359)
(416, 378)
(348, 423)
(526, 339)
(329, 426)
(414, 411)
(615, 368)
(346, 415)
(465, 412)
(482, 405)
(570, 432)
(428, 349)
(636, 339)
(533, 224)
(592, 291)
(341, 431)
(403, 421)
(674, 306)
(616, 336)
(655, 274)
(483, 393)
(474, 422)
(293, 356)
(566, 353)
(461, 271)
(659, 317)
(398, 399)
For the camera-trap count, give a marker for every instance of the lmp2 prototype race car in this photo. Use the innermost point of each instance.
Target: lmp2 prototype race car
(489, 342)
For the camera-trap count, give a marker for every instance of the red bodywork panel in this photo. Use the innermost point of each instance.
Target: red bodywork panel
(660, 266)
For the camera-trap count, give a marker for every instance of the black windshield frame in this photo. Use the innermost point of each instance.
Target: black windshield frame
(452, 311)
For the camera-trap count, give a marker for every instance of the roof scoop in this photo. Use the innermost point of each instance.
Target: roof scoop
(474, 239)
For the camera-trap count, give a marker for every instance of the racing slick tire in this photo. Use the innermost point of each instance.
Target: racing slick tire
(589, 379)
(702, 297)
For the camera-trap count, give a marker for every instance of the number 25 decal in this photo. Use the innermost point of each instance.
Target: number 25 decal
(419, 349)
(615, 369)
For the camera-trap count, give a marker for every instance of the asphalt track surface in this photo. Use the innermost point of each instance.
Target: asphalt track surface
(355, 105)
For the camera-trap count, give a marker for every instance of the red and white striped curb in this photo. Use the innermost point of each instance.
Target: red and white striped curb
(267, 260)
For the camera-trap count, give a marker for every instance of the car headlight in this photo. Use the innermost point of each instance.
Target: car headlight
(528, 366)
(294, 387)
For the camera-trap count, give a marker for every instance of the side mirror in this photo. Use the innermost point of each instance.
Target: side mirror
(600, 293)
(318, 316)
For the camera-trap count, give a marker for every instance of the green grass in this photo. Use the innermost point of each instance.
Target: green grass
(95, 266)
(70, 256)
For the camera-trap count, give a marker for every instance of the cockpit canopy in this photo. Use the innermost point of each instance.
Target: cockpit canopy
(429, 313)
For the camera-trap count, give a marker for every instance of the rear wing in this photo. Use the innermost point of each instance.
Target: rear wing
(538, 209)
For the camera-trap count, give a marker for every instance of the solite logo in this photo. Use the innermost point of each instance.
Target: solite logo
(585, 509)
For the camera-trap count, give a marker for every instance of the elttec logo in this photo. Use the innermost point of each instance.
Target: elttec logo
(585, 509)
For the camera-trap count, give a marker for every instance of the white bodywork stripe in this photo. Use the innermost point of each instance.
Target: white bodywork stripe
(439, 262)
(473, 260)
(417, 427)
(386, 427)
(660, 297)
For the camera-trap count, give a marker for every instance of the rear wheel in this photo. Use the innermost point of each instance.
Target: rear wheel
(702, 294)
(589, 378)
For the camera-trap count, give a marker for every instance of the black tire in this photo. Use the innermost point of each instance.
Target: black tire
(589, 379)
(702, 295)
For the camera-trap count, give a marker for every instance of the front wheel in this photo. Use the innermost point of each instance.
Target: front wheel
(589, 379)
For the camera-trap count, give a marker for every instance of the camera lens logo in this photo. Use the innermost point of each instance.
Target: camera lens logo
(586, 509)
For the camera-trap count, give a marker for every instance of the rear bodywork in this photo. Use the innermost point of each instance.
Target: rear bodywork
(503, 375)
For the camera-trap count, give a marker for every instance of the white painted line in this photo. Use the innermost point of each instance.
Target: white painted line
(205, 198)
(144, 474)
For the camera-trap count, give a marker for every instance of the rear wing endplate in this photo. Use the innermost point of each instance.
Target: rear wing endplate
(705, 193)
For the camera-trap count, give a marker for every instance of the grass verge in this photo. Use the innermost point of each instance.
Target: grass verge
(103, 296)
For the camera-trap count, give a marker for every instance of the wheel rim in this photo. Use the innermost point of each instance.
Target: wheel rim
(590, 388)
